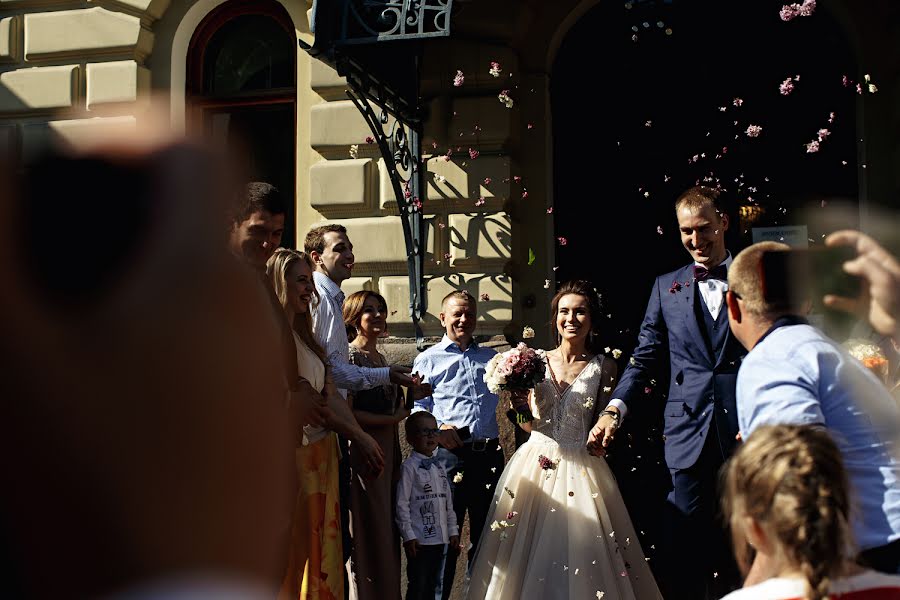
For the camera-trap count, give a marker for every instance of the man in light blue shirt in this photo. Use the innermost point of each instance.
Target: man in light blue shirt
(455, 367)
(795, 374)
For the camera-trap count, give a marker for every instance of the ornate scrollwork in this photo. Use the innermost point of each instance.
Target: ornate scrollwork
(399, 19)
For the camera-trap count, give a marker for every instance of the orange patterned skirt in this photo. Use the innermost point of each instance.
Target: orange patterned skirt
(316, 563)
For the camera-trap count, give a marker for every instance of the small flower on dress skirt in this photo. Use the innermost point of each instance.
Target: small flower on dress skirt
(546, 463)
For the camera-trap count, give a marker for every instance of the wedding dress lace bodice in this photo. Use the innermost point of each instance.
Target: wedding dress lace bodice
(568, 416)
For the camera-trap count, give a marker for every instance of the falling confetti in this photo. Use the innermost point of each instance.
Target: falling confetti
(753, 131)
(505, 98)
(484, 297)
(458, 477)
(370, 139)
(354, 151)
(473, 153)
(458, 79)
(495, 69)
(527, 333)
(562, 241)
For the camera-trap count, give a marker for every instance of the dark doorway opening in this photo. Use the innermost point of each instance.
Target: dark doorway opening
(664, 107)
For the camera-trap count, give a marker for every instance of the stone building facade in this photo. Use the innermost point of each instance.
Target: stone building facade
(72, 69)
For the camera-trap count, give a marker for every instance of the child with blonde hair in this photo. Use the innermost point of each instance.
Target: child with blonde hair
(788, 499)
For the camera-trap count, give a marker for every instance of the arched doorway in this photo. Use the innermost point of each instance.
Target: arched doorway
(242, 91)
(669, 88)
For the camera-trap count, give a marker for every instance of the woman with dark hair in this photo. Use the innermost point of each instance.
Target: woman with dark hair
(375, 557)
(560, 528)
(315, 564)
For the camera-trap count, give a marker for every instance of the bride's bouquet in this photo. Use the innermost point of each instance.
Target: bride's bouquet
(517, 370)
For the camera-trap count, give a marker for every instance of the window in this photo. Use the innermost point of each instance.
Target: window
(242, 89)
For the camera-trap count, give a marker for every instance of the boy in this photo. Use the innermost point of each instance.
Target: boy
(424, 508)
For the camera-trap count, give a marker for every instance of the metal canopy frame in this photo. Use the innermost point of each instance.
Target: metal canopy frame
(377, 46)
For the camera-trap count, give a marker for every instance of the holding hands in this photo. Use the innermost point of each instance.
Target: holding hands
(603, 432)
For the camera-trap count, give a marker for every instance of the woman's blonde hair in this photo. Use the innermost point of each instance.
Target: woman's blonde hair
(790, 480)
(276, 268)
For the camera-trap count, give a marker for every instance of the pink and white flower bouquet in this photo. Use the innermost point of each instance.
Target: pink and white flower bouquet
(517, 370)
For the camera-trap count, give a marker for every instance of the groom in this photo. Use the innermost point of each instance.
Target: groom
(685, 338)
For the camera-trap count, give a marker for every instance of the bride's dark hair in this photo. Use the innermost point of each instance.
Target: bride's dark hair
(586, 290)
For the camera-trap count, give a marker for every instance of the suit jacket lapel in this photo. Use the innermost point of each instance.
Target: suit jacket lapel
(691, 295)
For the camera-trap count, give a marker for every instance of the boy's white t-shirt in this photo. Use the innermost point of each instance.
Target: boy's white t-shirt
(868, 585)
(424, 501)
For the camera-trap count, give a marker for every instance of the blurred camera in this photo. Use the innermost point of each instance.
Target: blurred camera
(792, 277)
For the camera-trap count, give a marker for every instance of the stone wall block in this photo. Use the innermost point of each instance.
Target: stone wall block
(448, 182)
(74, 133)
(379, 241)
(40, 88)
(341, 184)
(120, 81)
(84, 33)
(322, 75)
(475, 237)
(11, 39)
(358, 284)
(336, 126)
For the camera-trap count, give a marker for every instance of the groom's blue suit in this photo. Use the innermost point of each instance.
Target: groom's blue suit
(680, 341)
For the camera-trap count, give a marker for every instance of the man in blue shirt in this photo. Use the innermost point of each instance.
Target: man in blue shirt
(455, 367)
(795, 374)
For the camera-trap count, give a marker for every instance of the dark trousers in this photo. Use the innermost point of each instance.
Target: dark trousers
(474, 495)
(885, 559)
(423, 572)
(697, 558)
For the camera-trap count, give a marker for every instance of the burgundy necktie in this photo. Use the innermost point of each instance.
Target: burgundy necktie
(702, 273)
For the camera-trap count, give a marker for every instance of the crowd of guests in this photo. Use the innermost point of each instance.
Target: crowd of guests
(304, 492)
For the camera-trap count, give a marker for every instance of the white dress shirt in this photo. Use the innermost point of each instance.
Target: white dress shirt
(713, 290)
(330, 332)
(424, 501)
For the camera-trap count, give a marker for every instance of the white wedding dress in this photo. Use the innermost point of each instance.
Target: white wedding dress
(563, 531)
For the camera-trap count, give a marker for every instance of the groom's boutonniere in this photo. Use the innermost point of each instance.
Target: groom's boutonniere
(677, 285)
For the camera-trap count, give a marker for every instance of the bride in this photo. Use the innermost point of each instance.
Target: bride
(559, 527)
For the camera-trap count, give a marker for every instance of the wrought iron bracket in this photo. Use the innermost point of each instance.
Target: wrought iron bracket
(397, 129)
(383, 81)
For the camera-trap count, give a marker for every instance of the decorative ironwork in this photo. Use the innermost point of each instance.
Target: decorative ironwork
(382, 20)
(400, 145)
(384, 86)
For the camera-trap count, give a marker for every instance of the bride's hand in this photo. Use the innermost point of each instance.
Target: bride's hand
(518, 399)
(602, 435)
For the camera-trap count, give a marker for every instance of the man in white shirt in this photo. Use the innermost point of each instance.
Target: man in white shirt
(332, 253)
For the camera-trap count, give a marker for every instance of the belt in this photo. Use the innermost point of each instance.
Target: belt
(481, 444)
